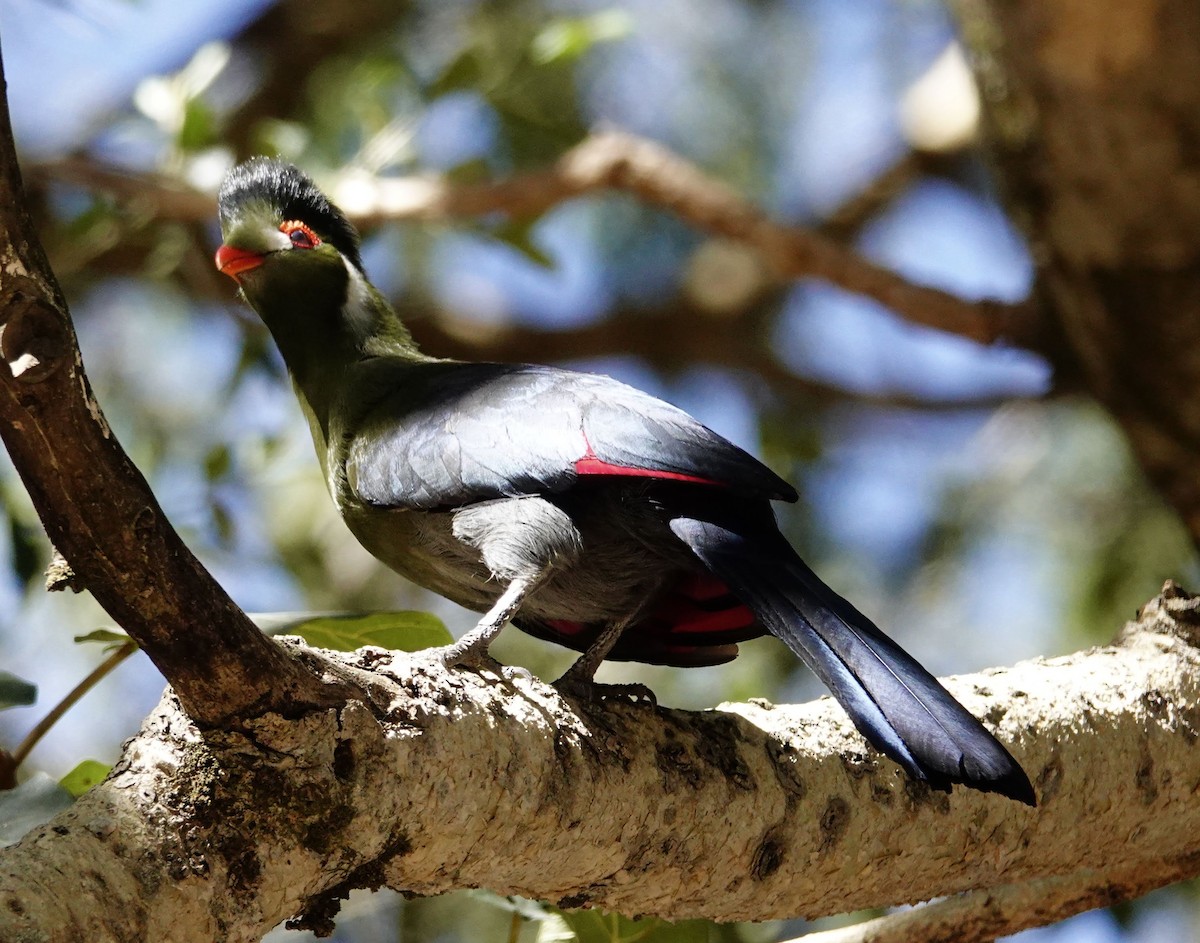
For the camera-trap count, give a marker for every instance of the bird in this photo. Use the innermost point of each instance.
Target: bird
(583, 511)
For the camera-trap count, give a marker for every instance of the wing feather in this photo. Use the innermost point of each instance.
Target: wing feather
(449, 433)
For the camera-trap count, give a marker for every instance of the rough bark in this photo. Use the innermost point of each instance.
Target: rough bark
(457, 779)
(1094, 117)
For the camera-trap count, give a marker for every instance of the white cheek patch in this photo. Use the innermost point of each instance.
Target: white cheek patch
(358, 309)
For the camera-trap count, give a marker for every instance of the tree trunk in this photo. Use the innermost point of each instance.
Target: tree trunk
(1093, 113)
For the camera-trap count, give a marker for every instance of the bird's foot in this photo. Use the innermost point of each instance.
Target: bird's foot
(466, 653)
(471, 651)
(585, 689)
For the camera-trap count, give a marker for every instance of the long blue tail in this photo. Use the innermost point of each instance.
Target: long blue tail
(898, 705)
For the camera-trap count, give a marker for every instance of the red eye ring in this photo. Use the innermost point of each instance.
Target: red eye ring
(300, 233)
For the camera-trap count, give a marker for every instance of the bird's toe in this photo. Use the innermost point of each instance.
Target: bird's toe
(584, 689)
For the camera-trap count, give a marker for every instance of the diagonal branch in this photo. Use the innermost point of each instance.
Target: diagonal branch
(668, 339)
(97, 508)
(618, 161)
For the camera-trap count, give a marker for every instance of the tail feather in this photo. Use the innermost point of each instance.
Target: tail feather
(899, 706)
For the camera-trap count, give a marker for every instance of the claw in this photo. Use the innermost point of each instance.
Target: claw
(584, 689)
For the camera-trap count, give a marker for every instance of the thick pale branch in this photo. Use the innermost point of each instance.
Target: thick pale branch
(460, 779)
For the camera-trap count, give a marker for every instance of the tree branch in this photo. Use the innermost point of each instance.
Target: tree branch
(993, 912)
(618, 161)
(668, 339)
(461, 779)
(97, 508)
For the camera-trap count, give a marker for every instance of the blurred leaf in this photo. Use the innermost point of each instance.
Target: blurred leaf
(15, 692)
(198, 129)
(274, 136)
(533, 94)
(363, 110)
(217, 462)
(111, 639)
(84, 776)
(554, 929)
(26, 550)
(35, 801)
(203, 68)
(223, 523)
(594, 926)
(462, 72)
(571, 37)
(346, 631)
(518, 234)
(158, 100)
(468, 172)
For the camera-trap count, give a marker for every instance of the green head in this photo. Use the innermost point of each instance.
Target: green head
(292, 251)
(283, 235)
(296, 258)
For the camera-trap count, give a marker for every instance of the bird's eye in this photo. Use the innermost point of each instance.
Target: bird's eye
(301, 235)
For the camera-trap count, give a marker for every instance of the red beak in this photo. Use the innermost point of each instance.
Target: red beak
(233, 261)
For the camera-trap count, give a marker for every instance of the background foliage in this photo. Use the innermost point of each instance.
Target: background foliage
(979, 514)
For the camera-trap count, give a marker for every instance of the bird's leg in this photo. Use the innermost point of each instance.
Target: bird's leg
(585, 666)
(578, 678)
(472, 647)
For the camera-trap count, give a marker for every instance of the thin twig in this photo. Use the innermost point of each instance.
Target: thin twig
(52, 717)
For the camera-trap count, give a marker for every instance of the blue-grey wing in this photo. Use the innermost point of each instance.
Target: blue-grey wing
(448, 434)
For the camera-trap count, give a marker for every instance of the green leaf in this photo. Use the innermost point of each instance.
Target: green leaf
(27, 552)
(109, 638)
(476, 170)
(198, 129)
(35, 801)
(217, 462)
(463, 71)
(346, 631)
(223, 523)
(518, 235)
(569, 38)
(84, 776)
(15, 692)
(594, 926)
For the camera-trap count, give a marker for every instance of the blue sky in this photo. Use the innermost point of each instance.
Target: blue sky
(68, 64)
